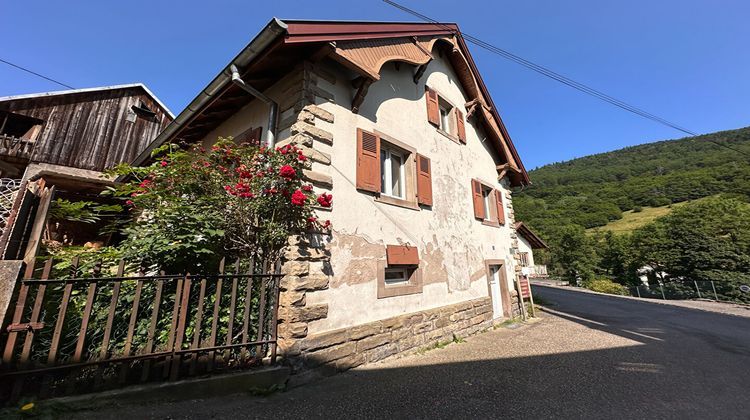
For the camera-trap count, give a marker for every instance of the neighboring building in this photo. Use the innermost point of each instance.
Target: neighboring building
(402, 131)
(58, 143)
(528, 241)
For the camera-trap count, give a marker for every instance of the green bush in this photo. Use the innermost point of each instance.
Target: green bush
(606, 286)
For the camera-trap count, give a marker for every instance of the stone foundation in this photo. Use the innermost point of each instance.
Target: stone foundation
(334, 351)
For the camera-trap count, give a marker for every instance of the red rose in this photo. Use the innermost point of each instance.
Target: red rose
(325, 200)
(307, 188)
(164, 163)
(129, 203)
(298, 198)
(287, 172)
(301, 157)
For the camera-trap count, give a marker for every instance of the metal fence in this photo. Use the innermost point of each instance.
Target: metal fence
(691, 289)
(90, 332)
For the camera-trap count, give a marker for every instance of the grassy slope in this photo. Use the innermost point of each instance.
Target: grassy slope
(631, 221)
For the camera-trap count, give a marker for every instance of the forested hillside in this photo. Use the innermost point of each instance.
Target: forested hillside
(701, 240)
(593, 190)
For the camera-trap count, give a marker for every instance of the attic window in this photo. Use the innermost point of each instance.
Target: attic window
(19, 126)
(144, 111)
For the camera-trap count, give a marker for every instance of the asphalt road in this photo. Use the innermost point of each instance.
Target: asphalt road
(590, 356)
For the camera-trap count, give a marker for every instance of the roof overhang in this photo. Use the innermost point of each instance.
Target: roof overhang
(532, 238)
(90, 90)
(338, 37)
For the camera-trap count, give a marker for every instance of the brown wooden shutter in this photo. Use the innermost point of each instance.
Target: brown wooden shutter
(500, 207)
(476, 192)
(368, 161)
(424, 180)
(460, 126)
(433, 108)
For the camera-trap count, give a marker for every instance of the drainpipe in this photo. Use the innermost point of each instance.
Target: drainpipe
(272, 114)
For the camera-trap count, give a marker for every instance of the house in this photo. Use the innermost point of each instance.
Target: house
(528, 241)
(57, 145)
(402, 131)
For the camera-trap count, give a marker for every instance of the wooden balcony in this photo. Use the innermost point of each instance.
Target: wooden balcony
(13, 147)
(538, 271)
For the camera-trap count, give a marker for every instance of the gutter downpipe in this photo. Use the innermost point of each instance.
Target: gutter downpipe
(272, 114)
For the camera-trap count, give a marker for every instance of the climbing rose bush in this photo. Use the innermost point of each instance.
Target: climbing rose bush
(192, 207)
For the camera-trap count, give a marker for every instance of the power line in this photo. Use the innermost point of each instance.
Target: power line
(559, 77)
(36, 74)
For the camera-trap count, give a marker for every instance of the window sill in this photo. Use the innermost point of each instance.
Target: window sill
(450, 136)
(491, 223)
(397, 202)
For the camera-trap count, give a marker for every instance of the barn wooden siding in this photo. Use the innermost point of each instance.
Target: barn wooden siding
(90, 130)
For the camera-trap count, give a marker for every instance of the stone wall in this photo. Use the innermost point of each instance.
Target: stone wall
(330, 352)
(510, 219)
(306, 261)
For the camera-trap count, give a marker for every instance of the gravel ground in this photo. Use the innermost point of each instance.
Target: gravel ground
(589, 356)
(703, 305)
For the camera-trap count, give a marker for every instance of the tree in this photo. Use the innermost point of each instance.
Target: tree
(574, 255)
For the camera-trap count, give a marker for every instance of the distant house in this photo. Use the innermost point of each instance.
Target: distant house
(528, 241)
(57, 144)
(402, 131)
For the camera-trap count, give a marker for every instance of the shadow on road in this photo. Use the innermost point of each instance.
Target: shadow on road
(677, 363)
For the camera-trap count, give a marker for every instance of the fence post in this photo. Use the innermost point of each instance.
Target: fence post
(697, 289)
(714, 289)
(661, 287)
(10, 272)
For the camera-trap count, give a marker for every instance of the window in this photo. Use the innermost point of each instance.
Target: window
(524, 259)
(445, 116)
(396, 276)
(488, 203)
(392, 172)
(19, 126)
(486, 200)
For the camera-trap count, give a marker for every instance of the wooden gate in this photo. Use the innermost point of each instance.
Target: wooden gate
(85, 333)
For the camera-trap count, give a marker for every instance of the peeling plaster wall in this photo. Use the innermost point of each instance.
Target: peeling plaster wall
(452, 244)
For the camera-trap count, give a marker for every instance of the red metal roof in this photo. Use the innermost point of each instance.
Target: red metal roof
(316, 31)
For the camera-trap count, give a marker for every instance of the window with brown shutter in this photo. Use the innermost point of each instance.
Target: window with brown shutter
(433, 107)
(460, 127)
(500, 207)
(478, 199)
(424, 181)
(368, 161)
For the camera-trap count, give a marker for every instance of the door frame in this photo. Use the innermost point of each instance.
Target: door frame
(504, 291)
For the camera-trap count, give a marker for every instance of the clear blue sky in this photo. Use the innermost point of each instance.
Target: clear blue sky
(685, 60)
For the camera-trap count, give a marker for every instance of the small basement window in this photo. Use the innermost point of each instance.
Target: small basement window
(396, 276)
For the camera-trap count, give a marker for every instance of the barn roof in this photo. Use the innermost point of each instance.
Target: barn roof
(283, 43)
(533, 239)
(89, 90)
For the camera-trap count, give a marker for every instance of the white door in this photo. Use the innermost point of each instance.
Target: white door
(497, 305)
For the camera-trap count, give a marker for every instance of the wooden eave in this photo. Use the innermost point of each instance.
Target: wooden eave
(363, 47)
(534, 240)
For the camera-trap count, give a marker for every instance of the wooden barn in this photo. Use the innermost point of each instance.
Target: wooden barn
(57, 145)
